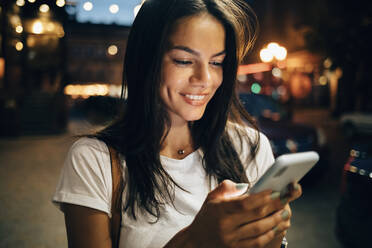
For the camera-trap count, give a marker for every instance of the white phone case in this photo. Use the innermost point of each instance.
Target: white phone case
(287, 168)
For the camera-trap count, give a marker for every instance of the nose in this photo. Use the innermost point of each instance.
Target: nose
(201, 76)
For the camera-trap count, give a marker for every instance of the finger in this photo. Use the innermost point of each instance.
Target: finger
(294, 192)
(253, 207)
(259, 227)
(282, 227)
(285, 224)
(225, 190)
(249, 202)
(260, 241)
(234, 212)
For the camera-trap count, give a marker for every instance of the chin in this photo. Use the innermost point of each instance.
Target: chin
(194, 117)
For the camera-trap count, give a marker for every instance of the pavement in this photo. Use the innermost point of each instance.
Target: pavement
(30, 167)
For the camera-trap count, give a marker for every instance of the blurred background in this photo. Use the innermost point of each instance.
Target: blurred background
(307, 81)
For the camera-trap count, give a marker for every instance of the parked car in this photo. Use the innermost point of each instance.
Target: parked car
(285, 136)
(354, 218)
(357, 123)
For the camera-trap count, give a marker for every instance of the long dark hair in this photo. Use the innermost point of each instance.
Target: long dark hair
(139, 132)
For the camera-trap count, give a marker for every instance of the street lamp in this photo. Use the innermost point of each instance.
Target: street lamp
(273, 51)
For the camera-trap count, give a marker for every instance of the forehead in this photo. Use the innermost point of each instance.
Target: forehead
(199, 32)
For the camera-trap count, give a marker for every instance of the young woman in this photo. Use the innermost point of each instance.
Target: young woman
(188, 150)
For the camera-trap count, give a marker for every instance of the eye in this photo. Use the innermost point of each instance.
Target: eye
(182, 62)
(215, 63)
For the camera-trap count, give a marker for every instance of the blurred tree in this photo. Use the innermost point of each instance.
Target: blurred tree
(341, 31)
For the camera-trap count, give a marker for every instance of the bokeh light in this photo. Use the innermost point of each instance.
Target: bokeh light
(19, 29)
(60, 3)
(19, 46)
(273, 46)
(277, 72)
(88, 6)
(273, 50)
(84, 91)
(266, 55)
(323, 80)
(44, 8)
(20, 3)
(280, 53)
(256, 88)
(112, 50)
(114, 8)
(37, 27)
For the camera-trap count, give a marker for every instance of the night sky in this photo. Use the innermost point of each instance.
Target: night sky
(100, 12)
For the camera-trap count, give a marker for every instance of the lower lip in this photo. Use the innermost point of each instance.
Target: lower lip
(195, 102)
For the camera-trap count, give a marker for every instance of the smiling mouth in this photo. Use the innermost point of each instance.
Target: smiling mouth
(195, 97)
(195, 100)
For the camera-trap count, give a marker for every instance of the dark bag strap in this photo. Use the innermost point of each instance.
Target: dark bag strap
(116, 200)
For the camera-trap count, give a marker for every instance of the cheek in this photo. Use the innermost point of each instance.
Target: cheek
(166, 79)
(170, 76)
(218, 80)
(171, 82)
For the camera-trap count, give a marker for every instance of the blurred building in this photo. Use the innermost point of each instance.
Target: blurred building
(95, 52)
(48, 57)
(304, 77)
(95, 55)
(327, 41)
(33, 66)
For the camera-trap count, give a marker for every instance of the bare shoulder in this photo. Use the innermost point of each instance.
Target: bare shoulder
(86, 227)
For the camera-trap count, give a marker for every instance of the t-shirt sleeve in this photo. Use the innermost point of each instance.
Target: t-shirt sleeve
(86, 176)
(264, 158)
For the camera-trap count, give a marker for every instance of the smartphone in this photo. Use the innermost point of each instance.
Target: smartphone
(286, 169)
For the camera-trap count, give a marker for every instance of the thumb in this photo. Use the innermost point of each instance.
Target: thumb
(227, 189)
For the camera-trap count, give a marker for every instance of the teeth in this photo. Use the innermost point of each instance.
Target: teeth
(195, 97)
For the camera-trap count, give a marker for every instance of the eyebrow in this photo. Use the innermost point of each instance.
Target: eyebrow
(189, 50)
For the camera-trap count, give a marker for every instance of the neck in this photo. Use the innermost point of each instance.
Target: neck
(178, 143)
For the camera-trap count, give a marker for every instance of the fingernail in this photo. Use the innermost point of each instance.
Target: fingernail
(240, 186)
(285, 214)
(296, 186)
(275, 195)
(275, 228)
(283, 200)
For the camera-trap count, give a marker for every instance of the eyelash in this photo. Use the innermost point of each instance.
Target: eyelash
(182, 62)
(216, 63)
(187, 62)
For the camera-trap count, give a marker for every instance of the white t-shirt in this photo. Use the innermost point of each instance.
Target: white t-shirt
(86, 181)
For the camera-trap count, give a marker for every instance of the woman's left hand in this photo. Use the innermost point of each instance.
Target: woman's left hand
(294, 192)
